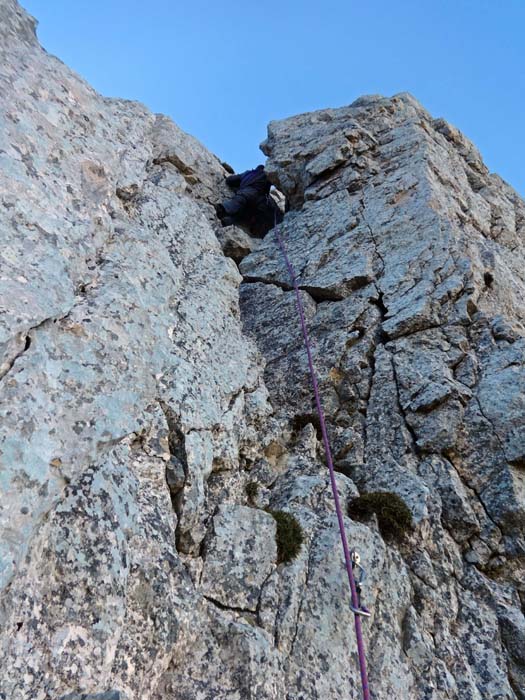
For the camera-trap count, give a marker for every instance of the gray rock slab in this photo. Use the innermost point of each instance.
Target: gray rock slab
(241, 553)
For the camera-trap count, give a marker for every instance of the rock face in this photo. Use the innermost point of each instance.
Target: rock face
(155, 404)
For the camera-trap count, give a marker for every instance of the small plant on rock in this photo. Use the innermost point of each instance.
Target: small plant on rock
(252, 490)
(289, 536)
(393, 515)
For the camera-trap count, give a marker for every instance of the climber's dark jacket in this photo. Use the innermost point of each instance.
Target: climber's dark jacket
(252, 204)
(255, 180)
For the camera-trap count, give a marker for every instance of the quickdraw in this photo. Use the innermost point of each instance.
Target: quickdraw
(359, 577)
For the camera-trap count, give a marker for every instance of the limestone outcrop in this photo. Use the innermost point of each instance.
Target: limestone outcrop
(156, 413)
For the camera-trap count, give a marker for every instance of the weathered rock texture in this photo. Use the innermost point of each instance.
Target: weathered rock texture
(140, 404)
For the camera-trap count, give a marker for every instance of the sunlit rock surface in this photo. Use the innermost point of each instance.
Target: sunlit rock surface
(155, 404)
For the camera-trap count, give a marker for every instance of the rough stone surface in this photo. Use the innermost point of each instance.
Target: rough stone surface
(236, 242)
(240, 555)
(111, 695)
(410, 257)
(147, 387)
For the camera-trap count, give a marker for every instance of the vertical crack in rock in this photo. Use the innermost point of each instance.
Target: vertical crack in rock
(304, 590)
(492, 426)
(450, 461)
(402, 411)
(299, 611)
(370, 231)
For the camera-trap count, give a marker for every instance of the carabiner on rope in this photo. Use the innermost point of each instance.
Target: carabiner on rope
(359, 576)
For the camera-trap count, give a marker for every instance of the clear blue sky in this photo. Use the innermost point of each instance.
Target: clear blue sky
(223, 70)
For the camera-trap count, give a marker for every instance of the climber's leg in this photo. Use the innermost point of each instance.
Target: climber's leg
(220, 210)
(265, 217)
(236, 206)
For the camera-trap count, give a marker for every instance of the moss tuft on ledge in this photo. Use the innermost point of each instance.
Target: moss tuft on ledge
(393, 515)
(289, 536)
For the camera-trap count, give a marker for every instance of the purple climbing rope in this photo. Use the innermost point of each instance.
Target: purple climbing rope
(348, 560)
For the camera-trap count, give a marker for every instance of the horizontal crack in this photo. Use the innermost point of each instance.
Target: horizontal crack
(229, 608)
(249, 279)
(318, 294)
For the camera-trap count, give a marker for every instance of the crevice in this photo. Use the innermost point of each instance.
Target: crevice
(419, 578)
(449, 459)
(233, 398)
(331, 173)
(105, 445)
(176, 472)
(185, 170)
(259, 608)
(402, 412)
(514, 682)
(301, 420)
(129, 196)
(248, 279)
(230, 608)
(26, 342)
(382, 336)
(372, 236)
(307, 574)
(372, 364)
(318, 294)
(494, 431)
(435, 327)
(9, 363)
(300, 608)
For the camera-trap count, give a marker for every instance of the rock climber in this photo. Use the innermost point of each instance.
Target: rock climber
(252, 204)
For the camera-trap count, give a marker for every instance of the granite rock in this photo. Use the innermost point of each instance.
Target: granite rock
(155, 404)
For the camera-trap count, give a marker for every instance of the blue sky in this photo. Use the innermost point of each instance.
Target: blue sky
(223, 70)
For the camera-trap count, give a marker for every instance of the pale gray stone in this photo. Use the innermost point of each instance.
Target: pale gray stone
(110, 695)
(236, 243)
(145, 381)
(240, 554)
(432, 384)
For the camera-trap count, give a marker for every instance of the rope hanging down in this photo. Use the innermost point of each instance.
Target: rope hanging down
(348, 557)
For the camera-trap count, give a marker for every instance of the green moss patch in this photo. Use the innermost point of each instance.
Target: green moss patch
(289, 536)
(393, 515)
